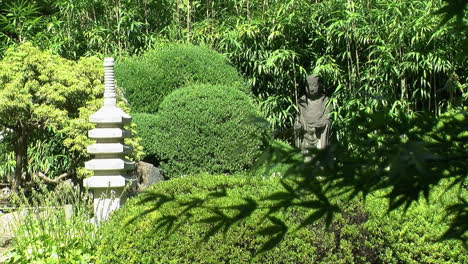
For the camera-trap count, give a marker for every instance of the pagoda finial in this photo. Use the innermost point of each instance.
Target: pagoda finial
(109, 85)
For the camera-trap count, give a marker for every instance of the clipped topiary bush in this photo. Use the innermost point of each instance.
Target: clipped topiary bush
(146, 125)
(205, 128)
(140, 234)
(147, 79)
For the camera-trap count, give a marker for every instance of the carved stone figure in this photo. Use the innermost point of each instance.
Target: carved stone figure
(312, 126)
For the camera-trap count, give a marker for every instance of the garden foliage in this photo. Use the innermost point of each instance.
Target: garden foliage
(45, 104)
(404, 160)
(392, 69)
(413, 236)
(44, 233)
(147, 79)
(146, 126)
(42, 93)
(166, 236)
(409, 53)
(396, 51)
(407, 156)
(223, 219)
(207, 128)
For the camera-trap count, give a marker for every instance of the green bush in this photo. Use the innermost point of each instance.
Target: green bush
(205, 128)
(47, 100)
(147, 79)
(173, 223)
(45, 233)
(146, 125)
(44, 97)
(139, 234)
(412, 237)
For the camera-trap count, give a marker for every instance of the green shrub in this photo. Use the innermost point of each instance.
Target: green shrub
(412, 237)
(45, 233)
(41, 92)
(139, 234)
(172, 223)
(147, 79)
(47, 100)
(146, 125)
(205, 128)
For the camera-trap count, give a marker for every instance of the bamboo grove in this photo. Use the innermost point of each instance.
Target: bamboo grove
(370, 53)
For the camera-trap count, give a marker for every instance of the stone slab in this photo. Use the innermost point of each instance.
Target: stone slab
(103, 133)
(109, 164)
(109, 148)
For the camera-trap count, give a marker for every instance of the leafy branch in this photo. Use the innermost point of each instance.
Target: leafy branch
(403, 158)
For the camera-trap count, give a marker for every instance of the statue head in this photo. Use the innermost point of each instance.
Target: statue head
(313, 85)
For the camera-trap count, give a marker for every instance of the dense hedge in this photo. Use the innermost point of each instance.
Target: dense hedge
(205, 128)
(139, 233)
(147, 79)
(147, 238)
(413, 237)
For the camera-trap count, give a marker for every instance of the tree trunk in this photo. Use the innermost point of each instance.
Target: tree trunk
(21, 155)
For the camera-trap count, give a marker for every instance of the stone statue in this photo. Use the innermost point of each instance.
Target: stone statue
(312, 126)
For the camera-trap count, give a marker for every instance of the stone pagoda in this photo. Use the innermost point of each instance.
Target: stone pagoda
(109, 164)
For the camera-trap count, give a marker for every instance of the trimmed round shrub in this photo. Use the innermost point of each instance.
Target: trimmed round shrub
(147, 79)
(142, 233)
(206, 128)
(146, 125)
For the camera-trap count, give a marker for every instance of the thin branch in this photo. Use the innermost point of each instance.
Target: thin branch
(46, 179)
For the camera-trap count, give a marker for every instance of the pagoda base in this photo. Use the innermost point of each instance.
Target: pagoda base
(108, 194)
(117, 181)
